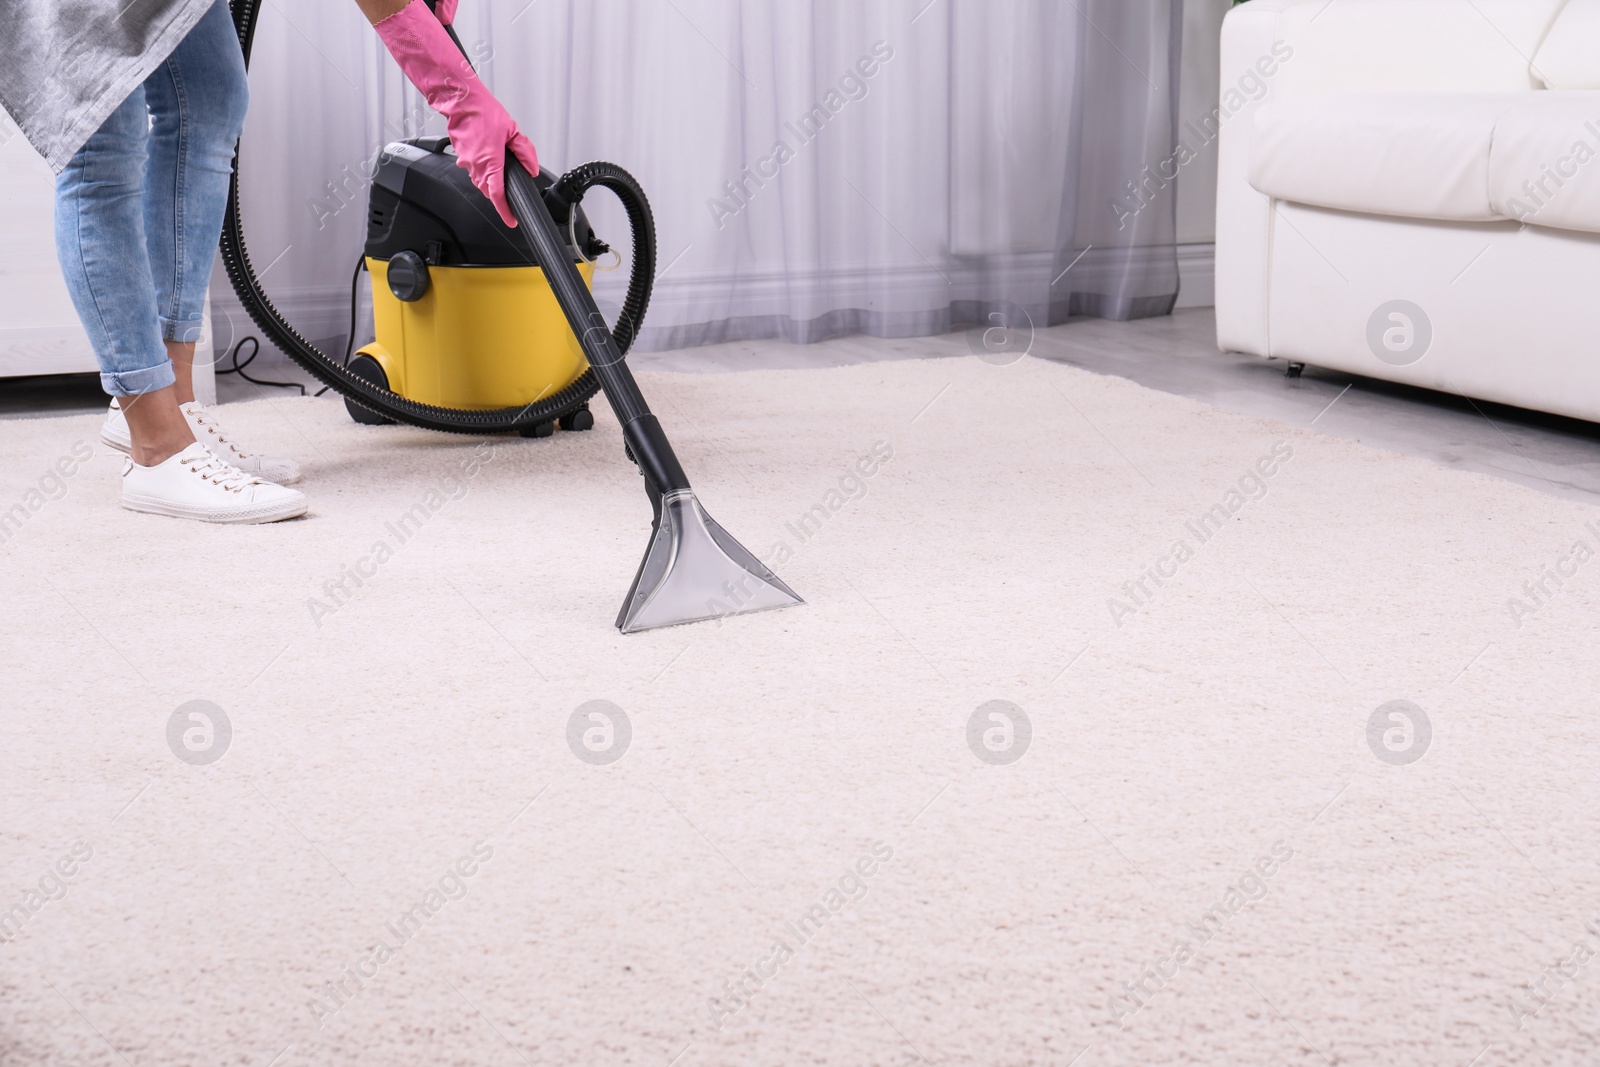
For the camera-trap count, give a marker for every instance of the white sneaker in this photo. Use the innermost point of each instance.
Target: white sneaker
(195, 484)
(209, 433)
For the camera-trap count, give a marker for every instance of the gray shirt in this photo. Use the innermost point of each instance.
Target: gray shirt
(66, 65)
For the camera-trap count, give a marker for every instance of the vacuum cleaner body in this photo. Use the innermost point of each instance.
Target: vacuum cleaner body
(483, 329)
(461, 320)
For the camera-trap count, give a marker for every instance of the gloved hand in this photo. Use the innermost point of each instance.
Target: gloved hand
(445, 11)
(480, 129)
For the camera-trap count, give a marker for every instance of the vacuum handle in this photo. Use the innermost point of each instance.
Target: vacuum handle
(640, 428)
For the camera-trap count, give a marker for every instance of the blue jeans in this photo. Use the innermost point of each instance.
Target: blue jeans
(139, 208)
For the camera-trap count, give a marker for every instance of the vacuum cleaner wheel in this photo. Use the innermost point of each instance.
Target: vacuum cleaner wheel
(582, 419)
(367, 369)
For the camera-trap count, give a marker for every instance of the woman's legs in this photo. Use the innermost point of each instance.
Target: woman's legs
(138, 213)
(197, 101)
(100, 242)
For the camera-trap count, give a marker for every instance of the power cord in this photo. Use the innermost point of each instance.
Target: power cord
(355, 299)
(236, 367)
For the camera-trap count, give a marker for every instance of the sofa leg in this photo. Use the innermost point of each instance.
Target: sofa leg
(1294, 370)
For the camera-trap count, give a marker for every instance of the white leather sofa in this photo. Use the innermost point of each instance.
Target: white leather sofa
(1410, 190)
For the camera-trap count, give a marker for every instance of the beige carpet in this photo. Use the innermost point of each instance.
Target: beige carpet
(1199, 859)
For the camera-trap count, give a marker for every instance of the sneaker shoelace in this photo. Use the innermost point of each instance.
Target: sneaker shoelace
(223, 475)
(214, 429)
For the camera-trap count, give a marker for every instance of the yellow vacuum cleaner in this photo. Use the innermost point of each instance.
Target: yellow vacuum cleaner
(485, 329)
(462, 320)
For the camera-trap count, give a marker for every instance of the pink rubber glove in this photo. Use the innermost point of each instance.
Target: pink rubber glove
(480, 129)
(445, 11)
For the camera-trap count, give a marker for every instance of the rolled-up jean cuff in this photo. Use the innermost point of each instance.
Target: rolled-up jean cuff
(186, 330)
(139, 382)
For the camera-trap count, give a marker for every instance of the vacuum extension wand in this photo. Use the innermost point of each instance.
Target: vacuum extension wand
(692, 570)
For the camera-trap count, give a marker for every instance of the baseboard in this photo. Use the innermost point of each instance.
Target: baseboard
(1197, 276)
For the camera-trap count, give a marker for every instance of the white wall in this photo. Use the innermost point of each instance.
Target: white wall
(39, 331)
(39, 328)
(1197, 181)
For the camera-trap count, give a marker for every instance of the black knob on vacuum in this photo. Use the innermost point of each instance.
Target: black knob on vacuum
(408, 277)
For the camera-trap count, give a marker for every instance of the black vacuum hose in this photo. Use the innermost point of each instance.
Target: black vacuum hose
(236, 260)
(568, 192)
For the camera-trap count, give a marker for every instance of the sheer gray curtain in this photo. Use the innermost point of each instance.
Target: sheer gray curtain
(817, 167)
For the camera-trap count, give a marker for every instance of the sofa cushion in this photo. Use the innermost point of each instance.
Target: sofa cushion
(1545, 167)
(1411, 46)
(1569, 58)
(1422, 155)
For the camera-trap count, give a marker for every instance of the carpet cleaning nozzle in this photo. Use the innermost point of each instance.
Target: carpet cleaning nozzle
(692, 570)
